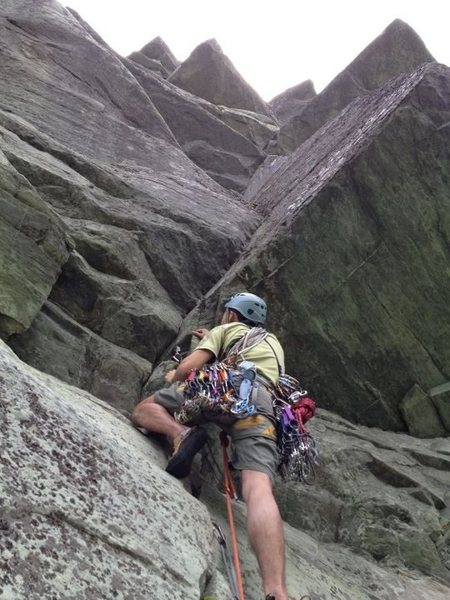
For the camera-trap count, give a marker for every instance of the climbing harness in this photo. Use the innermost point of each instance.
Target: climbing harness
(297, 448)
(222, 388)
(217, 390)
(230, 493)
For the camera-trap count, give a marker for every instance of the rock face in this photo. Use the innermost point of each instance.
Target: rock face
(106, 177)
(421, 415)
(382, 495)
(158, 50)
(33, 245)
(397, 50)
(118, 237)
(225, 149)
(293, 101)
(354, 250)
(208, 73)
(73, 353)
(156, 56)
(91, 510)
(123, 234)
(440, 396)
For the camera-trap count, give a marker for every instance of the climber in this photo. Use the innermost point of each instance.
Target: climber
(253, 438)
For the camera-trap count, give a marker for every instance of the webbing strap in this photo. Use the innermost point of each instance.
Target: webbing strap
(230, 492)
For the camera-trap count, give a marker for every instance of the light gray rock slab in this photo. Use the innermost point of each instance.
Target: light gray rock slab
(159, 50)
(86, 508)
(293, 101)
(90, 508)
(148, 63)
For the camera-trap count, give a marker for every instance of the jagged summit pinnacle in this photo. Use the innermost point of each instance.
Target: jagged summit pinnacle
(293, 100)
(398, 49)
(210, 74)
(159, 50)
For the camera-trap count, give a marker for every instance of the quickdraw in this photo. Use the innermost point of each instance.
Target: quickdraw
(223, 388)
(228, 562)
(297, 448)
(217, 390)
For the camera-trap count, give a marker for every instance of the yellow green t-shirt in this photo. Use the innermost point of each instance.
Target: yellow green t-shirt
(266, 355)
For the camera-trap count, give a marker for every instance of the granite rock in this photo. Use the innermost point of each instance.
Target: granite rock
(420, 414)
(120, 213)
(92, 511)
(157, 49)
(210, 74)
(293, 101)
(397, 50)
(354, 250)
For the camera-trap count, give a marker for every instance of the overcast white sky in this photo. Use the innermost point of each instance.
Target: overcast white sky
(273, 44)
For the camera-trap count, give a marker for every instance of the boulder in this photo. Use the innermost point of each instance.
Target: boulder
(293, 101)
(420, 414)
(210, 74)
(397, 50)
(354, 251)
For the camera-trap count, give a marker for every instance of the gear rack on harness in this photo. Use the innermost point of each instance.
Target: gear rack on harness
(297, 447)
(224, 389)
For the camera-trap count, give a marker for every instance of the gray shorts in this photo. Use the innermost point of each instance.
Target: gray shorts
(253, 439)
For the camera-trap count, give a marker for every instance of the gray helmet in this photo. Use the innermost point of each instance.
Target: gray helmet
(251, 307)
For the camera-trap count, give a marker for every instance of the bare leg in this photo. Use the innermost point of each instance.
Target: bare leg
(265, 531)
(155, 418)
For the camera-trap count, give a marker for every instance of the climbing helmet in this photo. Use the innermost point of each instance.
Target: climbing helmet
(250, 306)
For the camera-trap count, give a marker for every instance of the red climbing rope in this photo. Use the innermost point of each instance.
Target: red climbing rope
(230, 492)
(303, 410)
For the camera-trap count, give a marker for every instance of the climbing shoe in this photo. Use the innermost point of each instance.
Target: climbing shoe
(186, 446)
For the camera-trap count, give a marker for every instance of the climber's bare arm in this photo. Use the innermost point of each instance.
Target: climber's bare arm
(196, 360)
